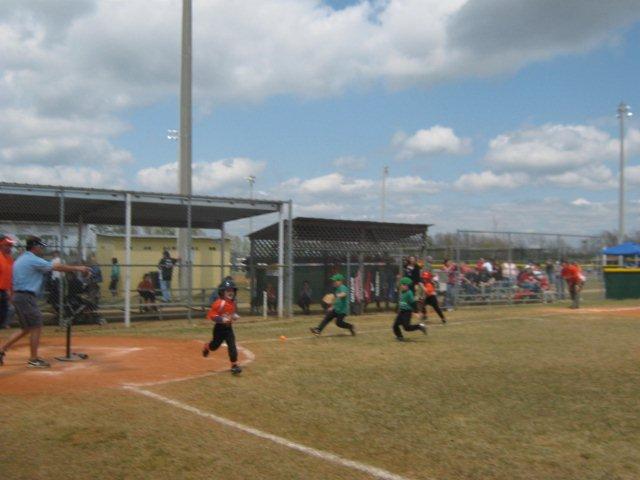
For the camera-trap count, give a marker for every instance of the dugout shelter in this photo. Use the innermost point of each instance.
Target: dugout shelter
(368, 253)
(72, 208)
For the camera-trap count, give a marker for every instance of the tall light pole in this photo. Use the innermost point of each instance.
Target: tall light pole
(184, 171)
(251, 179)
(383, 197)
(623, 112)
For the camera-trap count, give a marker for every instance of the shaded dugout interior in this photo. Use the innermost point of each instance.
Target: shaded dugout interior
(368, 253)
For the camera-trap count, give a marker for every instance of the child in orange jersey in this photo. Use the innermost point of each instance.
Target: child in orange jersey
(223, 313)
(430, 296)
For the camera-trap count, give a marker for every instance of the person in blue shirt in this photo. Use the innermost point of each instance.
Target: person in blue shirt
(29, 272)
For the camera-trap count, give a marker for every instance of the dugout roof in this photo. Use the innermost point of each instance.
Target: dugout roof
(319, 237)
(44, 204)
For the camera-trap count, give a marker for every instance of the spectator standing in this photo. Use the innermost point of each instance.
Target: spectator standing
(165, 266)
(572, 274)
(509, 273)
(6, 278)
(29, 271)
(558, 281)
(304, 301)
(451, 270)
(412, 271)
(115, 277)
(488, 266)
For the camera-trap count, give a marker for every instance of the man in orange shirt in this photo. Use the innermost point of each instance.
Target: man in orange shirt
(572, 274)
(6, 278)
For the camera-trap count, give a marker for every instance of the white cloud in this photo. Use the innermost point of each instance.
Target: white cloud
(551, 148)
(89, 61)
(350, 163)
(93, 177)
(632, 174)
(413, 185)
(209, 178)
(331, 184)
(433, 141)
(320, 209)
(579, 202)
(487, 180)
(597, 177)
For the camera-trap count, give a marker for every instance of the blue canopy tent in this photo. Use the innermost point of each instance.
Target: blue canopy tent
(624, 249)
(622, 281)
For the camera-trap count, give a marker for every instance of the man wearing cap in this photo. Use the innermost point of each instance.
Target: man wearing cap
(6, 274)
(339, 309)
(29, 271)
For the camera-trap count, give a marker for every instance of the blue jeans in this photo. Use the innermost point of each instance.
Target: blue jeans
(450, 296)
(165, 286)
(559, 283)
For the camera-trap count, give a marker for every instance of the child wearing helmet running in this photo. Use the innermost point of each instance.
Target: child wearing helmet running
(405, 311)
(339, 309)
(430, 296)
(223, 314)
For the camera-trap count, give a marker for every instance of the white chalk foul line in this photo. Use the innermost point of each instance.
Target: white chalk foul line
(326, 456)
(250, 357)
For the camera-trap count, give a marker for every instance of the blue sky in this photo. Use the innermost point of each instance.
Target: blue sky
(488, 113)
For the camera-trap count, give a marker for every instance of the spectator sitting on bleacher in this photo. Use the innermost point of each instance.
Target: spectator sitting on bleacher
(147, 293)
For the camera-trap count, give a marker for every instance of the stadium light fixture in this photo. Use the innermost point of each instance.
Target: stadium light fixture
(173, 134)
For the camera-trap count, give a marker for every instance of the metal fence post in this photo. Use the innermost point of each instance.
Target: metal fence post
(280, 262)
(127, 261)
(222, 251)
(189, 262)
(61, 283)
(290, 260)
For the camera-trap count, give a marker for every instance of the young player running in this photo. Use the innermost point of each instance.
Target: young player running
(430, 297)
(339, 309)
(223, 313)
(407, 302)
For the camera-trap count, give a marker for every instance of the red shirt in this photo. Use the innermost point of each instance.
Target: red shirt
(221, 308)
(6, 272)
(571, 273)
(429, 289)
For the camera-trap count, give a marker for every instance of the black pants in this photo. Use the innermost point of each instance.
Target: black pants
(4, 309)
(224, 333)
(432, 300)
(404, 319)
(331, 314)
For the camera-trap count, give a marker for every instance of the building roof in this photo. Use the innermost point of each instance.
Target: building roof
(42, 203)
(326, 229)
(315, 238)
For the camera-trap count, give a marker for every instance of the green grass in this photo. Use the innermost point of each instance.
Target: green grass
(524, 392)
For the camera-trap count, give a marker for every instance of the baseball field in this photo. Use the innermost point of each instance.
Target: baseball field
(518, 392)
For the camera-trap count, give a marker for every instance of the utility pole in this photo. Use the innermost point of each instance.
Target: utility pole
(184, 174)
(623, 112)
(385, 174)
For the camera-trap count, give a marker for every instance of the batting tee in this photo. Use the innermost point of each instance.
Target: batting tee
(66, 211)
(368, 253)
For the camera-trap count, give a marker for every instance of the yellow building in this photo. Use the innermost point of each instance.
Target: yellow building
(146, 252)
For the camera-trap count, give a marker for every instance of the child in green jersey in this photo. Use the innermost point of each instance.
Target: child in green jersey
(406, 305)
(339, 309)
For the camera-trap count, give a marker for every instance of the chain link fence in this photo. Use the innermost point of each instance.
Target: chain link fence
(152, 256)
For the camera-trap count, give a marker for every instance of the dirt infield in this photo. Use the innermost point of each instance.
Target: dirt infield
(113, 361)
